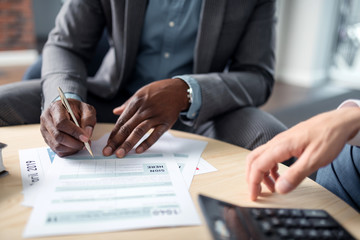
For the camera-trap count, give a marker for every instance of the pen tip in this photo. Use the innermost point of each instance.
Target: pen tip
(91, 153)
(87, 146)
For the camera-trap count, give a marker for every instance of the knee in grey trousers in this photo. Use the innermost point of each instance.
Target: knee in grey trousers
(342, 176)
(247, 127)
(20, 103)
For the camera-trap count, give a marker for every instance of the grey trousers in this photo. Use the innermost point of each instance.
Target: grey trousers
(342, 176)
(249, 127)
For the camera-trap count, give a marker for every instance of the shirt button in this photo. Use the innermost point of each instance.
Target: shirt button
(166, 55)
(171, 24)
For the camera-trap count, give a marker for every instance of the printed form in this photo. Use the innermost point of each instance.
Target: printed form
(36, 162)
(85, 195)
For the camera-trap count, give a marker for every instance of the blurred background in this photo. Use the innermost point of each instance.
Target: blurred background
(318, 51)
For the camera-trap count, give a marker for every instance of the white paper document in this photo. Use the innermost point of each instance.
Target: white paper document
(186, 153)
(83, 195)
(80, 194)
(34, 163)
(204, 167)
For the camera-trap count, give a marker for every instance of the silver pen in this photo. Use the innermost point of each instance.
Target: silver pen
(68, 108)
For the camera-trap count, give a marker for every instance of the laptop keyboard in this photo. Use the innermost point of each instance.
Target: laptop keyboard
(278, 223)
(227, 222)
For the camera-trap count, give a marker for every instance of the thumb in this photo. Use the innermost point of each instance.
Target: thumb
(293, 176)
(283, 185)
(119, 110)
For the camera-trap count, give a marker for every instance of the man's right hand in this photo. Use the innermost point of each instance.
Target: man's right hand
(315, 142)
(61, 133)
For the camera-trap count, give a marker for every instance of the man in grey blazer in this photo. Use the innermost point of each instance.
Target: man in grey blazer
(199, 66)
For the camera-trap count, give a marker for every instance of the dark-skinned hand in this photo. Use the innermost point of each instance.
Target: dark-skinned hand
(155, 106)
(61, 133)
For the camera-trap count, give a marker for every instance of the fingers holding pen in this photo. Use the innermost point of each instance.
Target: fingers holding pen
(88, 119)
(59, 132)
(60, 143)
(85, 115)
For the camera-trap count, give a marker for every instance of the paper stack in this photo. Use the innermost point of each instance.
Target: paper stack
(81, 195)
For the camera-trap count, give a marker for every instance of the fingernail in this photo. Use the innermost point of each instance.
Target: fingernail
(140, 150)
(88, 130)
(120, 153)
(283, 186)
(108, 151)
(84, 138)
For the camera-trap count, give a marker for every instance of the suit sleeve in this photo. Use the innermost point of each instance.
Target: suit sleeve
(249, 79)
(70, 45)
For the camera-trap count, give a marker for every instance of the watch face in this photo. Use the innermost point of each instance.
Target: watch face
(190, 95)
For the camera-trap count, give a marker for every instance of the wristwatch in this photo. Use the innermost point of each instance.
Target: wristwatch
(190, 95)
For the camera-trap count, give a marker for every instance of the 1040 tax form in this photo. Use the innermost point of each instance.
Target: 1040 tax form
(79, 194)
(83, 195)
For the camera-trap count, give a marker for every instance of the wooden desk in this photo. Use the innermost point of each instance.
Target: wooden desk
(228, 184)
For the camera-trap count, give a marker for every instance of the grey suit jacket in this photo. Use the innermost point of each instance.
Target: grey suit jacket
(233, 58)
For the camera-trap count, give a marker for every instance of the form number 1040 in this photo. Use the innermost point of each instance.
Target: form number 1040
(165, 211)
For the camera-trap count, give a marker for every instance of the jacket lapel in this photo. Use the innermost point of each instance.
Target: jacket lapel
(211, 19)
(134, 20)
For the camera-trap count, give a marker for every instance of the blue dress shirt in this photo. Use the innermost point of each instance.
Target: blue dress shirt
(167, 47)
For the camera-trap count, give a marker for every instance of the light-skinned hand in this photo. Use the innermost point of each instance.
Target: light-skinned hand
(315, 142)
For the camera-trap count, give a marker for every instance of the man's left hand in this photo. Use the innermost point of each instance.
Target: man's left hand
(155, 106)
